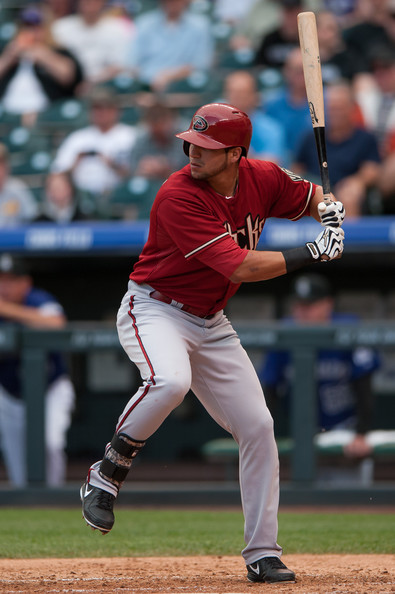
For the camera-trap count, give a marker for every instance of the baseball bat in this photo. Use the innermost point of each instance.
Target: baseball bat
(308, 38)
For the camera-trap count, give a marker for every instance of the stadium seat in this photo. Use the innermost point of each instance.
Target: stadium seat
(130, 115)
(123, 84)
(21, 140)
(134, 197)
(37, 162)
(66, 114)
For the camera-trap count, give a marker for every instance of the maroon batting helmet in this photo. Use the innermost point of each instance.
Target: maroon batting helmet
(217, 126)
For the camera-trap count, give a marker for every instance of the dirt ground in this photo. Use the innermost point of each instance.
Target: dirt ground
(316, 574)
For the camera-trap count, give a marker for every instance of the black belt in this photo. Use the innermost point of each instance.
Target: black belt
(160, 297)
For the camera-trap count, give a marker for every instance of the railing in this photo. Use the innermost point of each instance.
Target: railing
(303, 343)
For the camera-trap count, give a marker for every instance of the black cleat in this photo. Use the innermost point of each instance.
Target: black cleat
(97, 508)
(269, 569)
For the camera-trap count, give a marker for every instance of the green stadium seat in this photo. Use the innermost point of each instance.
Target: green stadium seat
(66, 114)
(36, 162)
(137, 194)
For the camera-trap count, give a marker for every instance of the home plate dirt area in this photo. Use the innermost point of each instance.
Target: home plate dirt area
(316, 574)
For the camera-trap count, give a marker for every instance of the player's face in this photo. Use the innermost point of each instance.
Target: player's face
(207, 163)
(313, 312)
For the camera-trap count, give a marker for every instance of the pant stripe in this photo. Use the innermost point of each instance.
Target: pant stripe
(151, 381)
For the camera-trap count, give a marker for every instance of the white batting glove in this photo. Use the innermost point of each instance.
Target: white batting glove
(331, 213)
(328, 245)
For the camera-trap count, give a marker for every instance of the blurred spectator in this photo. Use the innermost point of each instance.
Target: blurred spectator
(344, 11)
(231, 11)
(60, 204)
(268, 136)
(337, 61)
(386, 185)
(34, 70)
(23, 304)
(17, 203)
(59, 8)
(100, 41)
(353, 156)
(344, 377)
(277, 44)
(262, 17)
(369, 31)
(376, 98)
(98, 157)
(157, 152)
(170, 44)
(289, 106)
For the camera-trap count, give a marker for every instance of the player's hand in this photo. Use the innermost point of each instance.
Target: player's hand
(331, 213)
(328, 245)
(358, 447)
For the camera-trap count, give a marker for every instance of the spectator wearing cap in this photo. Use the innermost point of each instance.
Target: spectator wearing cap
(170, 44)
(17, 203)
(27, 306)
(344, 377)
(99, 40)
(98, 157)
(34, 69)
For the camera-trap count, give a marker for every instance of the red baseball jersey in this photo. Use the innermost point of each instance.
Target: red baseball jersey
(197, 237)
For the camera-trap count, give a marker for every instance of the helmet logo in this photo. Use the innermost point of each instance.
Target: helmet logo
(199, 123)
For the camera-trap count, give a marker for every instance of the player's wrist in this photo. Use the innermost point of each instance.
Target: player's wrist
(296, 258)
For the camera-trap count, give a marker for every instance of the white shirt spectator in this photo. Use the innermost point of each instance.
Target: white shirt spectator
(17, 203)
(98, 46)
(91, 173)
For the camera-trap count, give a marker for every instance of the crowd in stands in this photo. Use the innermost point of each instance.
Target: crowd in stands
(93, 91)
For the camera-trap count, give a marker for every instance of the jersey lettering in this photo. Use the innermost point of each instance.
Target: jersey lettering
(294, 176)
(247, 237)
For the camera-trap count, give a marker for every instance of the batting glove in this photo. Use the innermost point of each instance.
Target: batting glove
(328, 245)
(331, 213)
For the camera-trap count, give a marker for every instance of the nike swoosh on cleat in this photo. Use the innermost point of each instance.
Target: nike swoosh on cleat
(87, 492)
(255, 569)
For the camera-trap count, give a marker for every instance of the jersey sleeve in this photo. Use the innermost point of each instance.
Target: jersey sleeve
(292, 194)
(198, 234)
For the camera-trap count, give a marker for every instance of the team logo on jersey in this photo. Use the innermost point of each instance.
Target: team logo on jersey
(247, 237)
(199, 123)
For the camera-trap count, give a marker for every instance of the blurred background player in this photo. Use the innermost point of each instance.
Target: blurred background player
(23, 304)
(344, 377)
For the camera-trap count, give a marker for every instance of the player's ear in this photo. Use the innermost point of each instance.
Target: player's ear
(235, 153)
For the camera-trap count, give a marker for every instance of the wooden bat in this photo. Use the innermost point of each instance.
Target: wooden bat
(308, 39)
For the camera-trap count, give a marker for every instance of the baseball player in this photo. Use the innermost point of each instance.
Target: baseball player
(25, 305)
(205, 225)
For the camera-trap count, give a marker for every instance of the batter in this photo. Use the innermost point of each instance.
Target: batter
(205, 225)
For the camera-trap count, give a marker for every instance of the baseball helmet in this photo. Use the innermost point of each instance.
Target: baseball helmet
(218, 126)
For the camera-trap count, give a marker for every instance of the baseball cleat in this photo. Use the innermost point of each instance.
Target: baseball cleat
(97, 508)
(269, 569)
